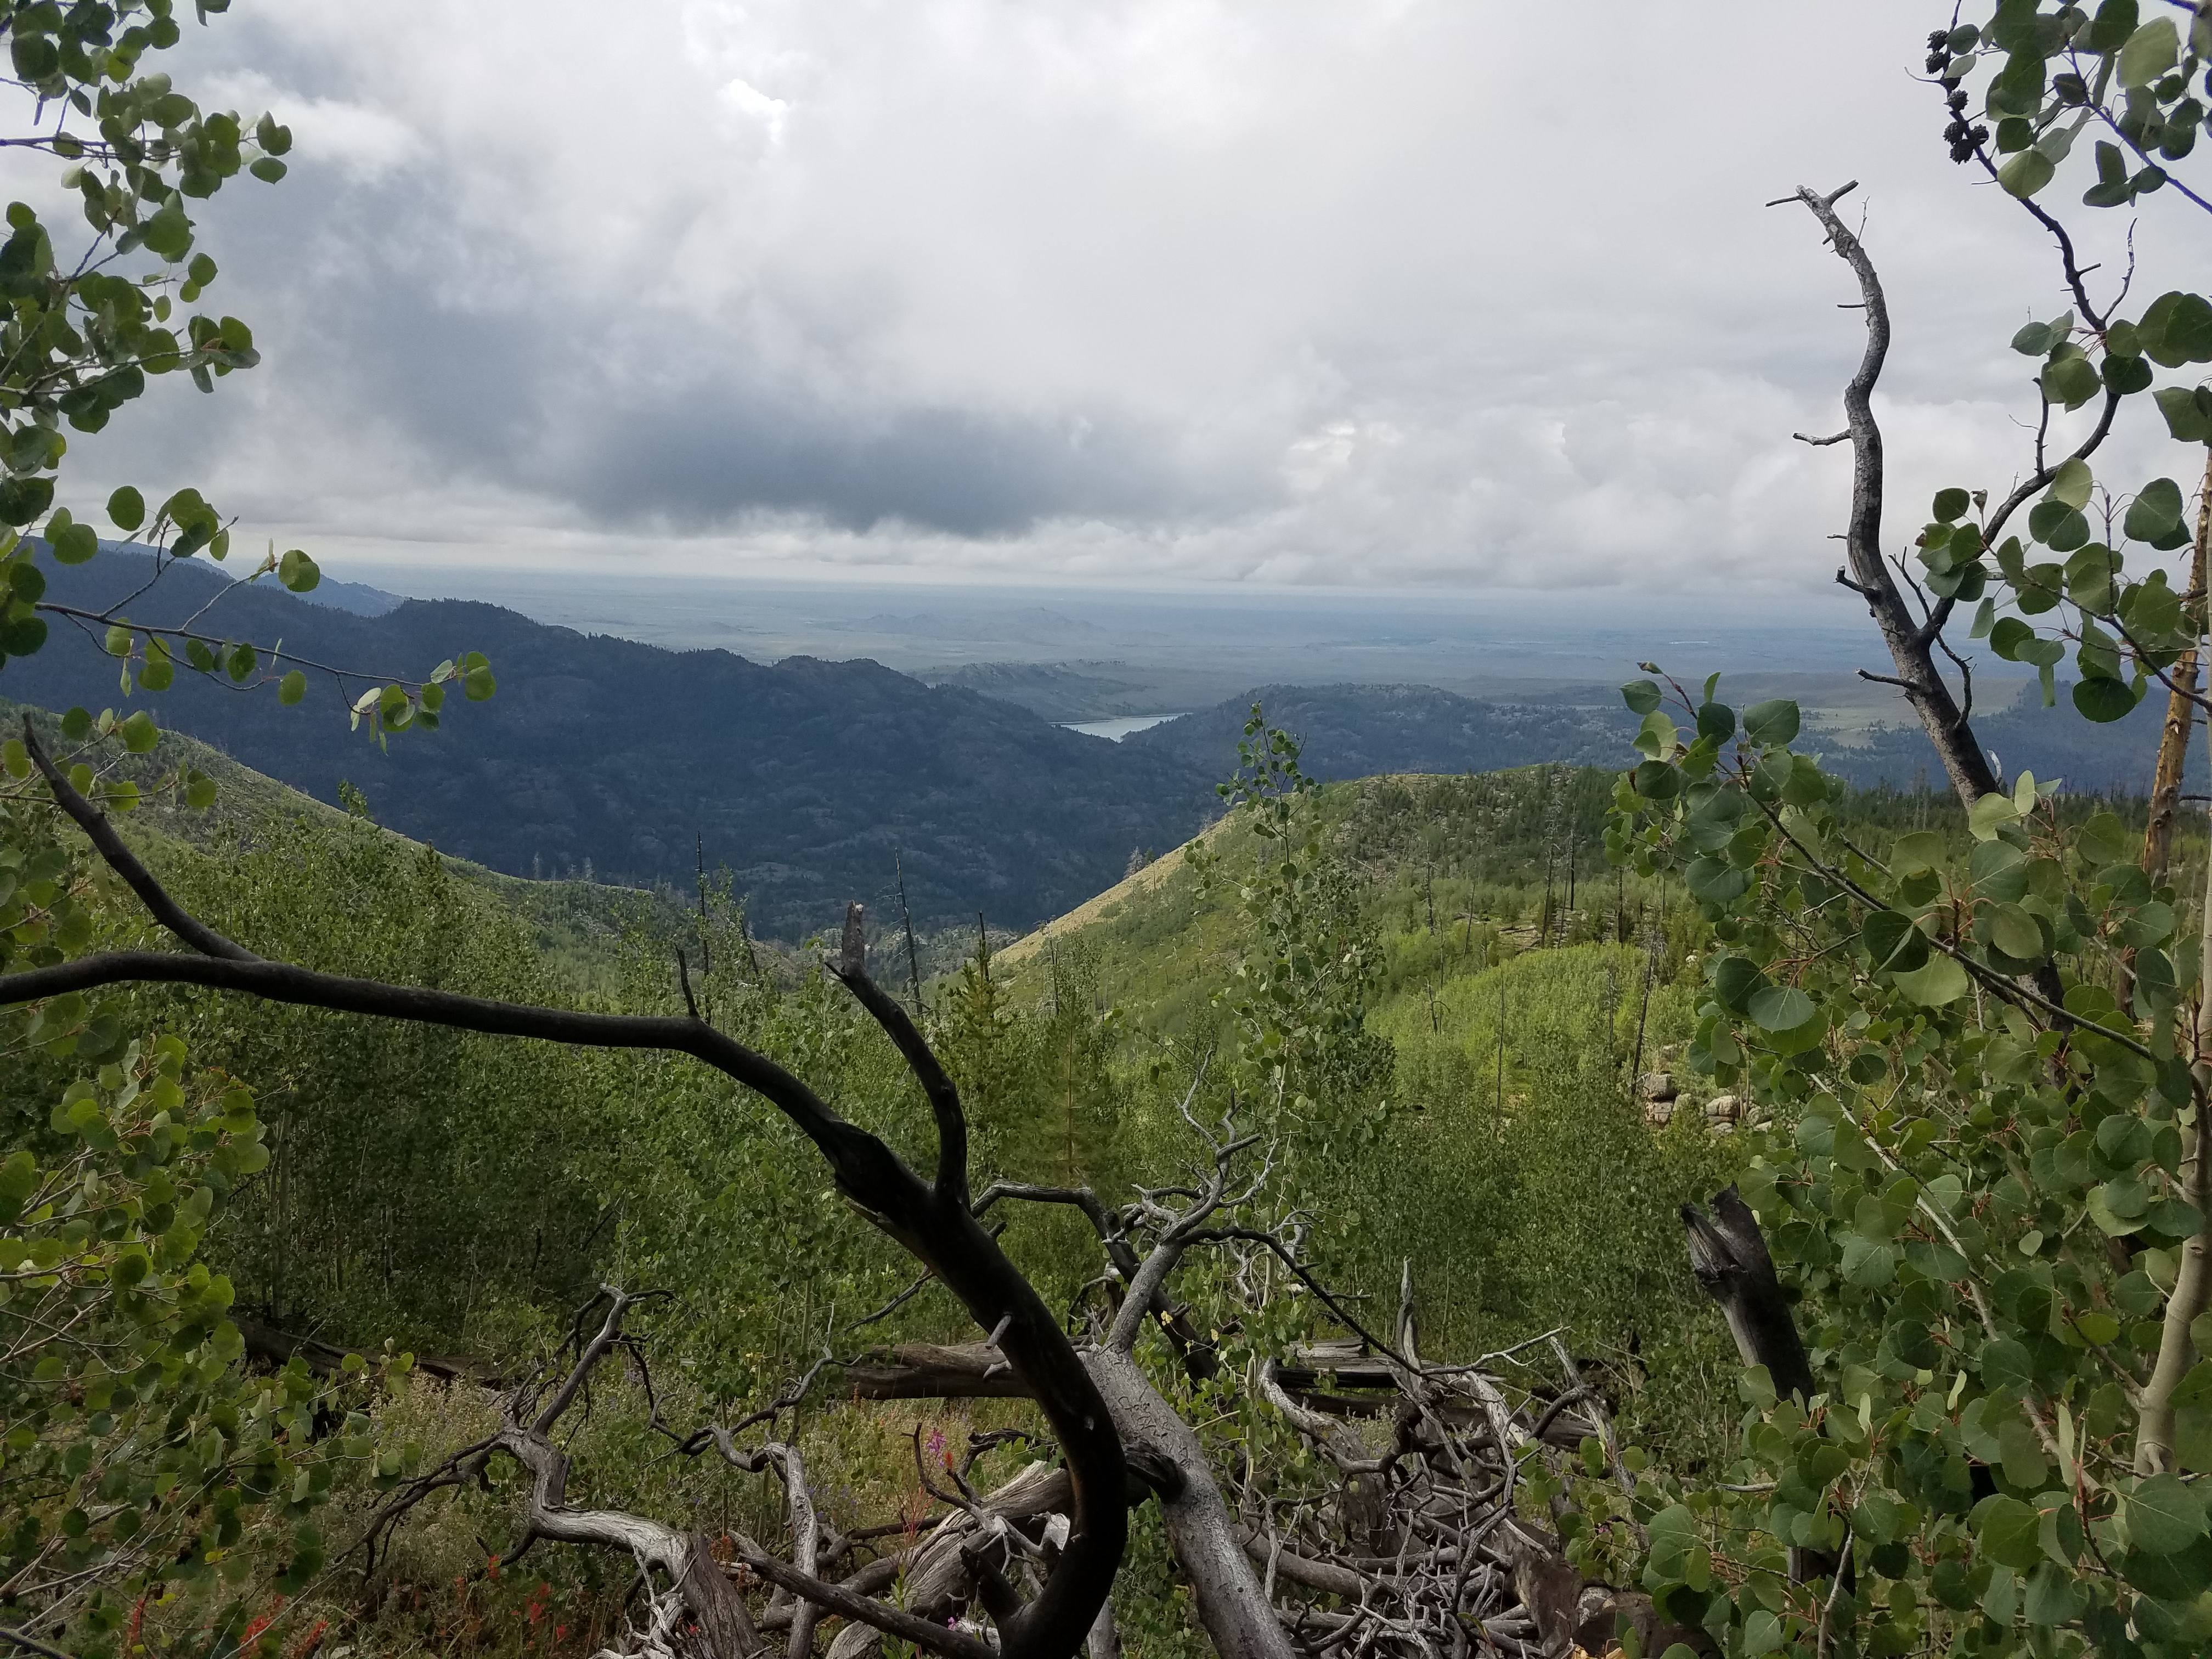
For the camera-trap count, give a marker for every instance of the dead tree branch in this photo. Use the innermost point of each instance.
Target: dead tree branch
(931, 1220)
(1911, 646)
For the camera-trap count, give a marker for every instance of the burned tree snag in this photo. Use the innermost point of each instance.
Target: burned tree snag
(1912, 643)
(1728, 1254)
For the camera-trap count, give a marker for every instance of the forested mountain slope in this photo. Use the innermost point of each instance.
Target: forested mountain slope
(802, 777)
(2025, 736)
(805, 778)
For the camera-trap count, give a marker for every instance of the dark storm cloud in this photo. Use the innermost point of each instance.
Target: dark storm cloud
(705, 459)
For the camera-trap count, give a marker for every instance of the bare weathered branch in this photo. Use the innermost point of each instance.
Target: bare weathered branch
(1196, 1353)
(946, 1639)
(1912, 651)
(697, 1586)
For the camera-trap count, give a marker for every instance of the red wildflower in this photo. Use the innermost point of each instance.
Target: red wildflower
(261, 1622)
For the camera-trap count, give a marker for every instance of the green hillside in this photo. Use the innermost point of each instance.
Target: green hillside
(1474, 1129)
(1517, 977)
(1520, 986)
(579, 925)
(1457, 873)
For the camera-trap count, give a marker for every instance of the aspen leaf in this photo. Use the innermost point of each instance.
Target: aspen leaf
(1942, 981)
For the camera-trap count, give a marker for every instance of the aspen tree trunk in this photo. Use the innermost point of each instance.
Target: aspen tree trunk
(2174, 741)
(2192, 1286)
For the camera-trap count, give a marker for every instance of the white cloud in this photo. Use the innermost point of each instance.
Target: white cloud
(1292, 290)
(364, 144)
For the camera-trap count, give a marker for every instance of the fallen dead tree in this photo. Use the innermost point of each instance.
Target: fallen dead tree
(1422, 1545)
(1424, 1548)
(690, 1584)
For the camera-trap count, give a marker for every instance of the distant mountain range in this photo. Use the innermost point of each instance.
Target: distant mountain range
(809, 778)
(362, 600)
(805, 778)
(1357, 730)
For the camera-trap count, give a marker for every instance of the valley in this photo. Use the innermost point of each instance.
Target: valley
(627, 764)
(1104, 833)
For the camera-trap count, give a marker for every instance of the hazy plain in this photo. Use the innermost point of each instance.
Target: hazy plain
(1163, 651)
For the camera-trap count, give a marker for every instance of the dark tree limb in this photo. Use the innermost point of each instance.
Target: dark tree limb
(1728, 1254)
(850, 965)
(932, 1222)
(125, 862)
(1196, 1354)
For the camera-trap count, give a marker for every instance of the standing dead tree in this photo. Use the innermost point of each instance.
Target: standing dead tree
(1912, 642)
(932, 1219)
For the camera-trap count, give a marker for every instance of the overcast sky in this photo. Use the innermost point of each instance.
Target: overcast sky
(1368, 292)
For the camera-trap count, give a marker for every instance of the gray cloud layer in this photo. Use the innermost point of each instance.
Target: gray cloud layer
(1302, 291)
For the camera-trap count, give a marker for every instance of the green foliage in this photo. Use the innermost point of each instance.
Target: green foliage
(2063, 73)
(376, 1128)
(140, 1459)
(1529, 1193)
(1513, 1175)
(1981, 1052)
(79, 341)
(1044, 1103)
(1975, 1190)
(1298, 1000)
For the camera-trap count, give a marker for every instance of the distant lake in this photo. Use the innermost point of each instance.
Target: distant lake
(1115, 730)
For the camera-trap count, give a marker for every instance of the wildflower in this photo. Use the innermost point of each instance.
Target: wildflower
(261, 1622)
